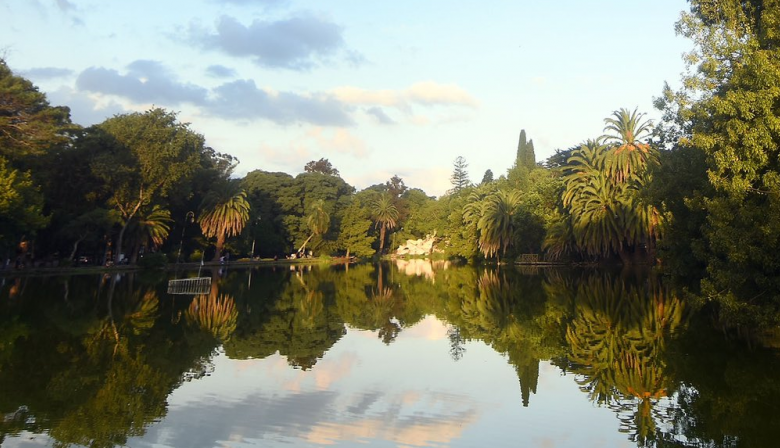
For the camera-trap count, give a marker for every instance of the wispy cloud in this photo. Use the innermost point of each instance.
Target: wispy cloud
(379, 115)
(220, 71)
(65, 5)
(43, 73)
(426, 93)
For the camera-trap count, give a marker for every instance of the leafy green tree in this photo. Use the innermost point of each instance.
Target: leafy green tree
(487, 177)
(730, 110)
(29, 126)
(525, 152)
(385, 216)
(322, 166)
(427, 216)
(296, 199)
(21, 205)
(144, 157)
(460, 175)
(354, 236)
(525, 162)
(264, 193)
(463, 224)
(224, 213)
(89, 226)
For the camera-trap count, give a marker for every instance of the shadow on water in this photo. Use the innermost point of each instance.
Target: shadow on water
(92, 360)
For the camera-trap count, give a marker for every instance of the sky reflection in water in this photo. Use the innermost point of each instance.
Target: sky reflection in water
(410, 393)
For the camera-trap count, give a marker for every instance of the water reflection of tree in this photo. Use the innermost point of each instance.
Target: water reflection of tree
(617, 341)
(297, 319)
(367, 301)
(511, 313)
(215, 314)
(106, 378)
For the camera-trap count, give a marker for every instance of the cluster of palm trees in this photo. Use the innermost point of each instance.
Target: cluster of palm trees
(604, 180)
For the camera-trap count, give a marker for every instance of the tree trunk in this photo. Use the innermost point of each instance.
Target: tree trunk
(134, 254)
(220, 245)
(118, 248)
(75, 248)
(381, 240)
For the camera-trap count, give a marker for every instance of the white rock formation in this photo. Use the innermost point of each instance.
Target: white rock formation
(417, 247)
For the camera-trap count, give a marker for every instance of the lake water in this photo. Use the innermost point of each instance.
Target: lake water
(411, 354)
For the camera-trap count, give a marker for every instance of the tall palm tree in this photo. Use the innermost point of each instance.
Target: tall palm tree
(318, 221)
(385, 216)
(224, 213)
(496, 225)
(625, 131)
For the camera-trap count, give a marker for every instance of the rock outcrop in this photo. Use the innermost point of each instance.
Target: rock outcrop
(417, 247)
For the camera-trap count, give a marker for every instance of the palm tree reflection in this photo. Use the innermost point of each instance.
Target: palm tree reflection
(214, 314)
(617, 344)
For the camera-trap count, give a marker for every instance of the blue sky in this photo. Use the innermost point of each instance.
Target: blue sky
(379, 88)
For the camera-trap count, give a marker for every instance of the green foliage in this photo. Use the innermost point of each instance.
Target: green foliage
(141, 158)
(487, 177)
(29, 126)
(385, 216)
(21, 205)
(156, 260)
(729, 109)
(354, 236)
(525, 162)
(264, 194)
(497, 224)
(630, 155)
(297, 198)
(322, 166)
(603, 195)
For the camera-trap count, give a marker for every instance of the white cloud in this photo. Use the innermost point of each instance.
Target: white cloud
(426, 93)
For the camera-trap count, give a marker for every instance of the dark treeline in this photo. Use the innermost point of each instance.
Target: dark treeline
(697, 193)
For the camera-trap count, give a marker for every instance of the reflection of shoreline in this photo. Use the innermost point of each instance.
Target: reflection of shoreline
(418, 267)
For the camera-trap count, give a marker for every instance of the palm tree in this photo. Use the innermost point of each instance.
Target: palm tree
(224, 213)
(151, 228)
(318, 221)
(607, 213)
(630, 155)
(496, 225)
(385, 216)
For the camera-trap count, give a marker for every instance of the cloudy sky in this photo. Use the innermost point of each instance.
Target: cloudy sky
(377, 87)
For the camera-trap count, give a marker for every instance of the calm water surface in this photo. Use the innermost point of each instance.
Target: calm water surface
(405, 355)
